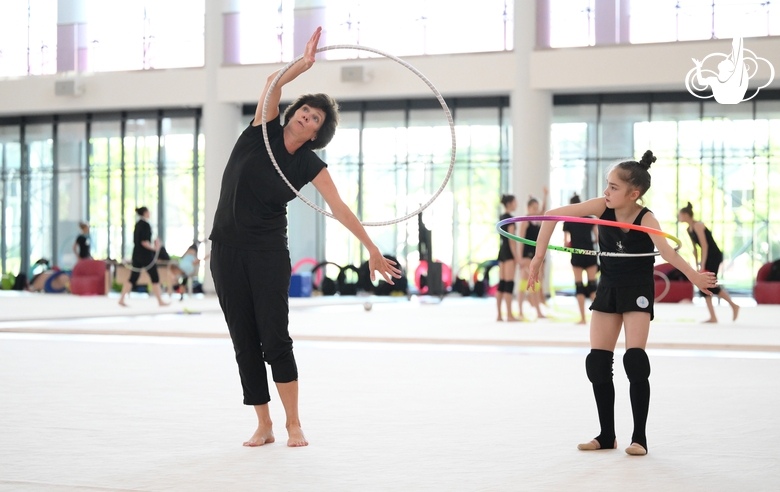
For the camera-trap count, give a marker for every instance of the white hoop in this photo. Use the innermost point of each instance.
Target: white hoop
(667, 286)
(397, 60)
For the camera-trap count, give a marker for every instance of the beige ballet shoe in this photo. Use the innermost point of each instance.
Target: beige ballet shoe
(636, 450)
(592, 446)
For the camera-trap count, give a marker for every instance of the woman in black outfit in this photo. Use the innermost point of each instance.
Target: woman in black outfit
(143, 256)
(250, 262)
(530, 230)
(506, 261)
(582, 236)
(711, 257)
(624, 298)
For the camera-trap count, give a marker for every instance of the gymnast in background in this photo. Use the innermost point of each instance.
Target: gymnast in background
(711, 257)
(530, 230)
(582, 236)
(506, 261)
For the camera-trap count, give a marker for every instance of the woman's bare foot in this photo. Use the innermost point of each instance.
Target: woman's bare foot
(296, 438)
(263, 435)
(735, 308)
(711, 320)
(499, 318)
(582, 322)
(122, 303)
(511, 318)
(593, 446)
(636, 450)
(163, 303)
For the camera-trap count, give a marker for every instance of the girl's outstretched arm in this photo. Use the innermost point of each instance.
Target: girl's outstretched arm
(701, 279)
(595, 206)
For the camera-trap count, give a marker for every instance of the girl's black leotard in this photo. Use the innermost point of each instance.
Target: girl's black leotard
(714, 254)
(505, 248)
(625, 271)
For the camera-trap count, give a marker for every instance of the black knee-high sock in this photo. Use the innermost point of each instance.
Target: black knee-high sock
(638, 371)
(598, 365)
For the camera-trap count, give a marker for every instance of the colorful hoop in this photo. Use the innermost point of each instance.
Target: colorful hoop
(584, 220)
(401, 62)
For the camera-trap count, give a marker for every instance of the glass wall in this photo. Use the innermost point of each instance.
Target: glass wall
(390, 157)
(57, 171)
(724, 159)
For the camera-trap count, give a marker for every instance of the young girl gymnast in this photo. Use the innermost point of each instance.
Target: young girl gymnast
(624, 297)
(506, 261)
(530, 230)
(711, 257)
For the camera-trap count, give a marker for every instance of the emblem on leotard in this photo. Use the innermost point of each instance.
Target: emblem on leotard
(642, 302)
(620, 247)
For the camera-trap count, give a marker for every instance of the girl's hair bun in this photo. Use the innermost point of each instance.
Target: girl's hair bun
(647, 159)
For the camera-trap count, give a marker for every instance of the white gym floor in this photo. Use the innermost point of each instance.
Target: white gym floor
(411, 395)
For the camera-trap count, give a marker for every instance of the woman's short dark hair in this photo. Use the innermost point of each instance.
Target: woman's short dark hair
(327, 105)
(636, 173)
(141, 211)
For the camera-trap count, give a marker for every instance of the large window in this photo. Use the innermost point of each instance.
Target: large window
(126, 35)
(388, 158)
(404, 28)
(574, 22)
(57, 171)
(725, 160)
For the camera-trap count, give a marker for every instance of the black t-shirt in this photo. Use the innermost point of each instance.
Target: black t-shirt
(141, 255)
(581, 234)
(252, 209)
(622, 271)
(83, 243)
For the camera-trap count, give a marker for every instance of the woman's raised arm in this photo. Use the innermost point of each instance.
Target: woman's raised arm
(303, 64)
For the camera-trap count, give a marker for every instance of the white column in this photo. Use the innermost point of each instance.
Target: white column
(309, 14)
(542, 23)
(231, 32)
(531, 114)
(612, 21)
(624, 21)
(531, 118)
(72, 42)
(221, 121)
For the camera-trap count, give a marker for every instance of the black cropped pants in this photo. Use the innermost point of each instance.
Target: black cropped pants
(253, 287)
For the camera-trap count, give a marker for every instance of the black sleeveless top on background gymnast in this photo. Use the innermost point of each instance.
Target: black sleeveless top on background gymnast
(532, 233)
(504, 240)
(712, 247)
(581, 234)
(620, 271)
